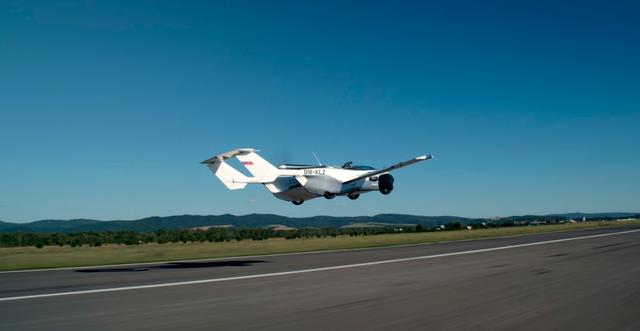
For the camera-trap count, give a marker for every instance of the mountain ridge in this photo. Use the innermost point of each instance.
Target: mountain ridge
(153, 223)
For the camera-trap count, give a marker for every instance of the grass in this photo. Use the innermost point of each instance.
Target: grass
(19, 258)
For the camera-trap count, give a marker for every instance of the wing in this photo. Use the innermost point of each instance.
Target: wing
(393, 167)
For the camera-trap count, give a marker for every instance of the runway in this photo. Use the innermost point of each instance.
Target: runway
(549, 281)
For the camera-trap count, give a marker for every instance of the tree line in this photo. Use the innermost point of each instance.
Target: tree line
(216, 234)
(91, 238)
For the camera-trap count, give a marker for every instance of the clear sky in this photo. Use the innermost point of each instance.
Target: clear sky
(107, 107)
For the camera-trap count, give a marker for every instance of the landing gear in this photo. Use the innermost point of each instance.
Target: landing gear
(353, 196)
(297, 202)
(329, 195)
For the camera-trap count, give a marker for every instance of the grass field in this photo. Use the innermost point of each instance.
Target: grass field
(18, 258)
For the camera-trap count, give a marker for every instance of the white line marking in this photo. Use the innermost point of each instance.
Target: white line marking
(293, 272)
(337, 250)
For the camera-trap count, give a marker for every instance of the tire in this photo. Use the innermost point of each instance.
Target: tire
(329, 195)
(353, 196)
(297, 202)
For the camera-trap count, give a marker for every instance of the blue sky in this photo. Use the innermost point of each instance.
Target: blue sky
(107, 107)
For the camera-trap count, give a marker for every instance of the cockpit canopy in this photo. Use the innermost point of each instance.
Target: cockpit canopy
(349, 165)
(362, 167)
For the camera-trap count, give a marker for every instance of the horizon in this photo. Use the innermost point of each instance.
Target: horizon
(108, 107)
(336, 216)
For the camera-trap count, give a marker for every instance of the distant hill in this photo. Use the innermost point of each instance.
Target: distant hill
(246, 221)
(4, 225)
(594, 215)
(60, 226)
(262, 220)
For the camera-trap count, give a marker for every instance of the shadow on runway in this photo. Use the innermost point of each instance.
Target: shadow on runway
(177, 265)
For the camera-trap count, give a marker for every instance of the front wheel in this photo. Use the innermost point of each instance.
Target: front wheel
(329, 195)
(353, 196)
(297, 202)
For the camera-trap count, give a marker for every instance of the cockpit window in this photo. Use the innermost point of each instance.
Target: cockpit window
(362, 167)
(349, 165)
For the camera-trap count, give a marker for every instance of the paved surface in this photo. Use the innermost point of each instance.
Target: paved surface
(591, 283)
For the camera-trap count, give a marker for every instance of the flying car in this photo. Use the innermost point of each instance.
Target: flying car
(298, 183)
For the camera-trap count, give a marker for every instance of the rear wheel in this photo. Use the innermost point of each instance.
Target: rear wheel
(353, 196)
(329, 195)
(297, 202)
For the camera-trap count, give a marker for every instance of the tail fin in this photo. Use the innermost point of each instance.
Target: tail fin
(230, 177)
(262, 171)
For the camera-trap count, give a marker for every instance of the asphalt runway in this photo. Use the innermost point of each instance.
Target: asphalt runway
(531, 282)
